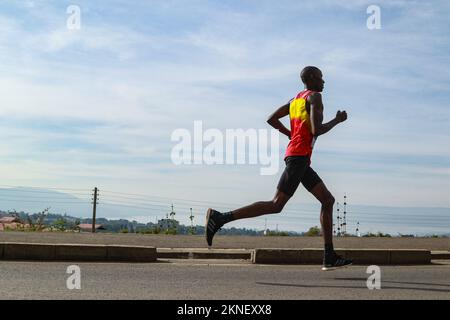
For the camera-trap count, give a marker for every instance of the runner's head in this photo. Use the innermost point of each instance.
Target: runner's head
(312, 78)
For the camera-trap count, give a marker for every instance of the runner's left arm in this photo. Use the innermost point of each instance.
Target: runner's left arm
(319, 128)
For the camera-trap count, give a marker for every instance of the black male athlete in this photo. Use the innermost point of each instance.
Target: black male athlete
(306, 117)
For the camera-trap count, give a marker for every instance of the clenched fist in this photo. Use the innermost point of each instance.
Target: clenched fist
(341, 116)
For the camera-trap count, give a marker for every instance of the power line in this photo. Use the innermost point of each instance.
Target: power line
(158, 204)
(47, 192)
(299, 214)
(167, 198)
(43, 198)
(109, 198)
(203, 204)
(48, 202)
(295, 214)
(68, 189)
(185, 205)
(403, 219)
(187, 201)
(155, 207)
(128, 206)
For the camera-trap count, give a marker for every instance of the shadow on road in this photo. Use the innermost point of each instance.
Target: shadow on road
(354, 287)
(398, 282)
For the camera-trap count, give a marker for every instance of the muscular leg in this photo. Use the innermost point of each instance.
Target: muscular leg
(262, 208)
(215, 220)
(331, 260)
(326, 213)
(291, 178)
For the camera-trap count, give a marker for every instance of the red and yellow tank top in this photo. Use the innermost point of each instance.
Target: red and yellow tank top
(302, 140)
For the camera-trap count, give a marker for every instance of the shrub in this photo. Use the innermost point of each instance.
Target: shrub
(313, 232)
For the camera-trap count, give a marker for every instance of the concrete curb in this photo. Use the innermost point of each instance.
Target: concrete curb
(198, 253)
(440, 255)
(360, 256)
(117, 253)
(27, 251)
(131, 254)
(81, 253)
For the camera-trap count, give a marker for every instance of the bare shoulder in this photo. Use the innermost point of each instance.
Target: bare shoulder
(314, 102)
(315, 97)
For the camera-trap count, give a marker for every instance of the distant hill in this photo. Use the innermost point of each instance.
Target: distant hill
(35, 200)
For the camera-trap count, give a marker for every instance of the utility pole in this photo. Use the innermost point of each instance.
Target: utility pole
(171, 223)
(94, 208)
(191, 217)
(172, 214)
(338, 222)
(345, 214)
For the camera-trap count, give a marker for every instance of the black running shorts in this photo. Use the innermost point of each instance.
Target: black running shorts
(298, 171)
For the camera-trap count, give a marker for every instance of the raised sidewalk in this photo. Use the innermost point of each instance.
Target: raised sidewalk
(117, 253)
(260, 250)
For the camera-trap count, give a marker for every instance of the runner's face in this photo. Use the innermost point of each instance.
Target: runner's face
(317, 81)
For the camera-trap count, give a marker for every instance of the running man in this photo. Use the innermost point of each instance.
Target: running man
(306, 117)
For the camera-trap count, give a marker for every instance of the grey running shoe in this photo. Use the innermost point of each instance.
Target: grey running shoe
(333, 262)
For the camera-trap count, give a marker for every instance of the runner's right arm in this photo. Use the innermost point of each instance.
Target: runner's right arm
(274, 119)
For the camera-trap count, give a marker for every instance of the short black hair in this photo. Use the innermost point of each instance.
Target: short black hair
(307, 73)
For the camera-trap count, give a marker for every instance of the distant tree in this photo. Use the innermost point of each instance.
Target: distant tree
(171, 231)
(77, 225)
(41, 218)
(60, 224)
(35, 221)
(15, 214)
(156, 230)
(377, 235)
(313, 232)
(277, 234)
(384, 235)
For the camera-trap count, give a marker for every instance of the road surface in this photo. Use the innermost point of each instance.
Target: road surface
(217, 280)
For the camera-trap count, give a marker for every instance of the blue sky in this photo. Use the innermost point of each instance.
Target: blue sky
(96, 107)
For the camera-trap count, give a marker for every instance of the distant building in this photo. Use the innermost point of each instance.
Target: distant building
(10, 220)
(88, 227)
(12, 223)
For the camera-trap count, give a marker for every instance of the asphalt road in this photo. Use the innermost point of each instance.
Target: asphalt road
(218, 280)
